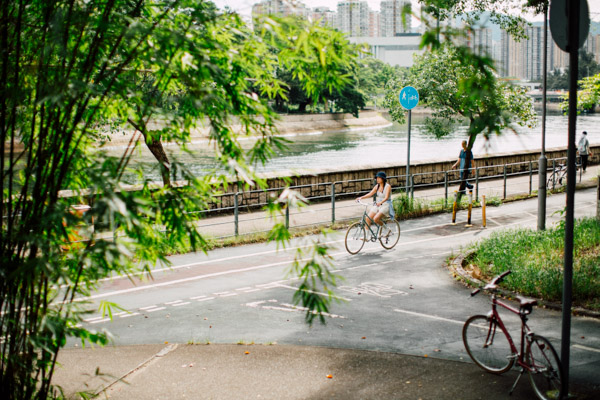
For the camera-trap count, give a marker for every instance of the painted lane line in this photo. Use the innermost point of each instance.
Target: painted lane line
(581, 347)
(245, 288)
(252, 290)
(221, 293)
(494, 221)
(180, 304)
(173, 302)
(100, 320)
(264, 266)
(429, 316)
(229, 295)
(208, 298)
(310, 291)
(185, 280)
(197, 297)
(129, 315)
(156, 309)
(146, 308)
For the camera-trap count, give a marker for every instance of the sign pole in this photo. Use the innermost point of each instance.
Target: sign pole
(409, 98)
(408, 156)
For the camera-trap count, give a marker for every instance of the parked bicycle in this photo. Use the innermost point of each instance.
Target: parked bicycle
(491, 347)
(558, 176)
(360, 232)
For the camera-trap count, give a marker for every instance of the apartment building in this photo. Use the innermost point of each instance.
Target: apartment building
(394, 17)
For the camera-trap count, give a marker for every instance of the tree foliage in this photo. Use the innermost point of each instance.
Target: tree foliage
(317, 64)
(71, 70)
(457, 83)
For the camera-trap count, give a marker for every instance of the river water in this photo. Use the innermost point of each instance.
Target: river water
(353, 149)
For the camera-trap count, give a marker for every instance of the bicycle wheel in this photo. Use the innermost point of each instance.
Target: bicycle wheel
(487, 344)
(391, 234)
(545, 371)
(355, 238)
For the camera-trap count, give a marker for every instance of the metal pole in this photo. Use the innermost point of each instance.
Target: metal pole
(408, 153)
(445, 189)
(573, 24)
(543, 161)
(504, 181)
(333, 203)
(236, 214)
(476, 183)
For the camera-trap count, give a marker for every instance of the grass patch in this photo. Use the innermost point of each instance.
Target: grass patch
(536, 261)
(406, 207)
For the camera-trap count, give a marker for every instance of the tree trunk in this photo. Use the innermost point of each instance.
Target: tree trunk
(158, 151)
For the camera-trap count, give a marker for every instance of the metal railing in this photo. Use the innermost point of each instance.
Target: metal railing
(327, 207)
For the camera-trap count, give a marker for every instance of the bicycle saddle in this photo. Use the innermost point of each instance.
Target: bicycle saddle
(526, 304)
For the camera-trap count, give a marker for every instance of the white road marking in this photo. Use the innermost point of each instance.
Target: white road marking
(581, 347)
(429, 316)
(130, 315)
(100, 320)
(146, 308)
(310, 291)
(208, 298)
(181, 304)
(245, 288)
(280, 263)
(197, 297)
(173, 302)
(229, 295)
(156, 309)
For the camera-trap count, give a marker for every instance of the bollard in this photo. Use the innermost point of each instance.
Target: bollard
(454, 207)
(483, 210)
(470, 209)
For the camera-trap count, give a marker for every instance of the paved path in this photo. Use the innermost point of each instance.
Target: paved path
(396, 336)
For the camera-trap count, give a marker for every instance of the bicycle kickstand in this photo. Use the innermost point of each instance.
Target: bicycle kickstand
(517, 381)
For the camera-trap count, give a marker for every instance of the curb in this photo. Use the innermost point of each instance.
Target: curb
(456, 267)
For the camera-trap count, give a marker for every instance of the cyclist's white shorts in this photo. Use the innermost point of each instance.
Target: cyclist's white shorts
(383, 209)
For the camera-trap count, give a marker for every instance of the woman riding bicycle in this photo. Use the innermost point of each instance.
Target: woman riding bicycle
(383, 200)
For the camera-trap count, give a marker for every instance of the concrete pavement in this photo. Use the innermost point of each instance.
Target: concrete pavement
(273, 371)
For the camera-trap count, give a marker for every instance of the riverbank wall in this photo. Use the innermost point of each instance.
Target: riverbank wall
(288, 124)
(327, 182)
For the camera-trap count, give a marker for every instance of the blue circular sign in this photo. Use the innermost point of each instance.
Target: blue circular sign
(409, 97)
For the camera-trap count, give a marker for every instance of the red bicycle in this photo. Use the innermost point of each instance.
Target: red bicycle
(491, 347)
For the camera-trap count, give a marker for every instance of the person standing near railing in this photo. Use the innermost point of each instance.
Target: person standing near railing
(583, 148)
(465, 162)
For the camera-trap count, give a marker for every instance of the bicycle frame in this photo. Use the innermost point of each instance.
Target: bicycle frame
(525, 330)
(363, 222)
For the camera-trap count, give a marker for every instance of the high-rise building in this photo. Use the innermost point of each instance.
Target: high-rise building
(324, 16)
(395, 17)
(280, 7)
(374, 24)
(353, 17)
(523, 59)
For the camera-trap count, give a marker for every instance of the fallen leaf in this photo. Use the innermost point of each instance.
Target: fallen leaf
(166, 342)
(329, 376)
(437, 350)
(425, 356)
(247, 352)
(206, 319)
(583, 337)
(364, 337)
(407, 382)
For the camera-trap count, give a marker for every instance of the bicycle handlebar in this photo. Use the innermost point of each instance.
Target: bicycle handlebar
(493, 283)
(361, 203)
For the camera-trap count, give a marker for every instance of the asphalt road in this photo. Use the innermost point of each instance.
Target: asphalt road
(400, 301)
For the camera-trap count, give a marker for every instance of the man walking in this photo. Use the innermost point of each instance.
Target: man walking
(465, 162)
(583, 148)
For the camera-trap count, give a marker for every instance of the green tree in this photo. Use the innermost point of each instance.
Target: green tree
(454, 90)
(318, 64)
(69, 70)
